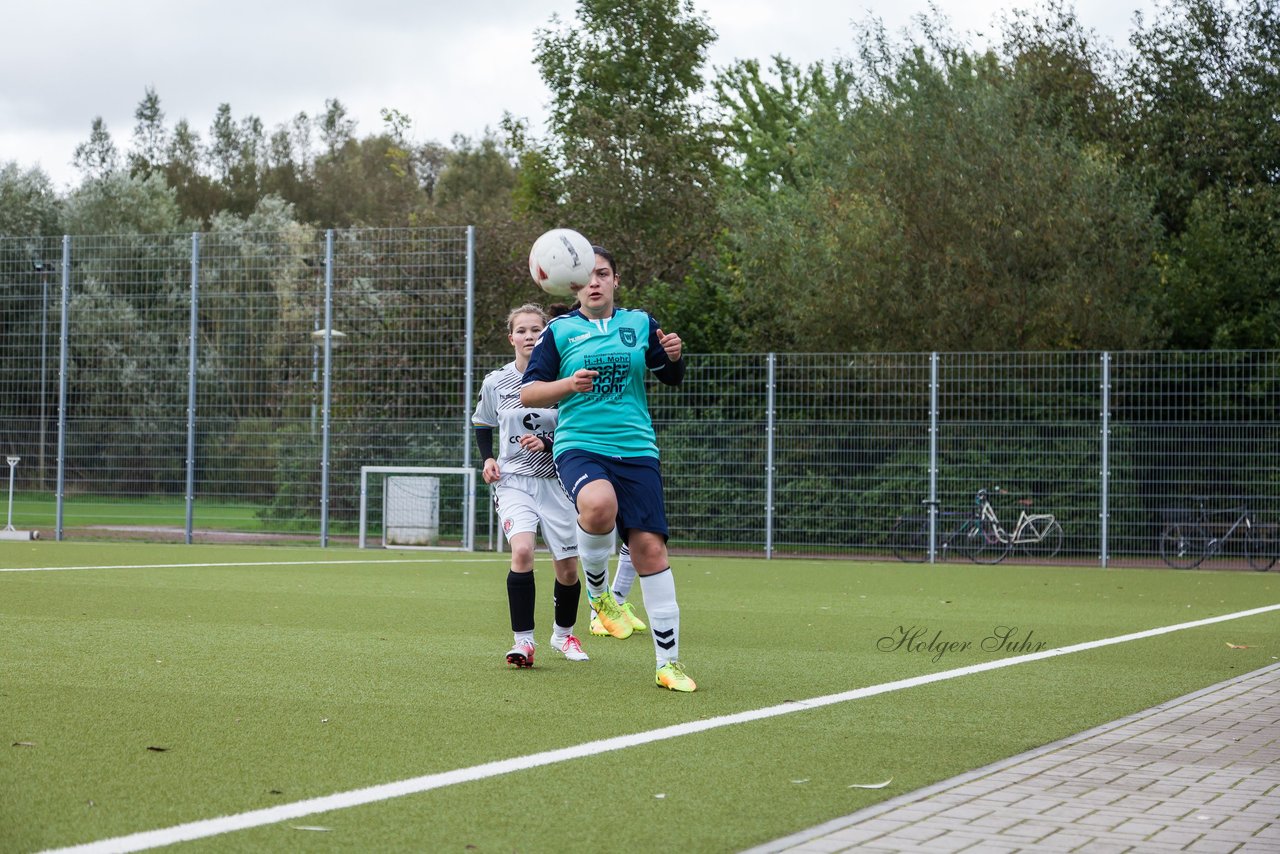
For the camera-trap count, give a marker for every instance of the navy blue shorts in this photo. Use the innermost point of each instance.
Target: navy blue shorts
(637, 481)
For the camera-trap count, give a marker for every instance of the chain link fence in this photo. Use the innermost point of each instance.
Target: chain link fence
(230, 385)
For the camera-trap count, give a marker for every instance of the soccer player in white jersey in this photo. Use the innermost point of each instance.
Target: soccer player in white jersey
(592, 362)
(527, 494)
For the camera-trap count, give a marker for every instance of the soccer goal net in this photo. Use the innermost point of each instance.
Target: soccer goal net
(418, 507)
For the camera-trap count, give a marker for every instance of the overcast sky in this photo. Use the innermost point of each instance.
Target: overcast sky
(451, 67)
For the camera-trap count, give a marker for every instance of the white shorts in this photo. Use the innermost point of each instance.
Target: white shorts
(526, 503)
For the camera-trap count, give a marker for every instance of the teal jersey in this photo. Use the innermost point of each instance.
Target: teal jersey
(613, 418)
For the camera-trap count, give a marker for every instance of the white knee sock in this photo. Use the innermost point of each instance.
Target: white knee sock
(624, 576)
(664, 614)
(594, 551)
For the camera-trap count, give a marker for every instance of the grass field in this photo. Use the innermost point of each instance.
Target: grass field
(39, 511)
(146, 687)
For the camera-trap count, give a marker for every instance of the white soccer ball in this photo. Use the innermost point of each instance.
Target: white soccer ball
(560, 258)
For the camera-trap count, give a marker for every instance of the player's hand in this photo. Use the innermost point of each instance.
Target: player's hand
(490, 472)
(583, 380)
(672, 344)
(533, 443)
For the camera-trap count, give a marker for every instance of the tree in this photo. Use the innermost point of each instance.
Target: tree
(1204, 88)
(1071, 75)
(1204, 136)
(762, 121)
(1220, 279)
(184, 171)
(97, 157)
(939, 213)
(475, 185)
(121, 204)
(362, 183)
(629, 161)
(336, 130)
(29, 207)
(150, 138)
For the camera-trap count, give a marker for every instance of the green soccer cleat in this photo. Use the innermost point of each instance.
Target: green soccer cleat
(611, 617)
(671, 675)
(597, 628)
(637, 624)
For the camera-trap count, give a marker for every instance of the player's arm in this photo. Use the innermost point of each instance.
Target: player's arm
(543, 386)
(536, 444)
(485, 420)
(484, 443)
(540, 394)
(665, 355)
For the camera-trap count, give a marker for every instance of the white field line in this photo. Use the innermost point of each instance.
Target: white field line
(248, 563)
(372, 794)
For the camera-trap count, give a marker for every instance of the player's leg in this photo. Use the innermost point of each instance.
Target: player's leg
(559, 531)
(568, 594)
(644, 521)
(586, 478)
(624, 575)
(518, 515)
(521, 600)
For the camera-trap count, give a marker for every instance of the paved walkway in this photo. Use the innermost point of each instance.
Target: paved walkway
(1200, 774)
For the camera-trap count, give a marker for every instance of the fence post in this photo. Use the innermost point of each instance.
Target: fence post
(467, 379)
(191, 384)
(469, 369)
(933, 456)
(62, 384)
(1105, 479)
(328, 388)
(768, 455)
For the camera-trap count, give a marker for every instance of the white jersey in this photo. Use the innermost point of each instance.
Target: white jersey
(500, 407)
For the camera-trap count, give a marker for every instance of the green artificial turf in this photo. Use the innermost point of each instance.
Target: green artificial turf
(39, 512)
(320, 671)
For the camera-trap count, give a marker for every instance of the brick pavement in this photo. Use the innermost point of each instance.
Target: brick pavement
(1200, 773)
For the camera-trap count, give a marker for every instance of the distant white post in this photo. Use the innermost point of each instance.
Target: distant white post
(9, 533)
(13, 467)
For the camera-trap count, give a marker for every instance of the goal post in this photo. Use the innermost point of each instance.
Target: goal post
(423, 506)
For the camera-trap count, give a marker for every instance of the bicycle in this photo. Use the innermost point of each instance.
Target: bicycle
(1039, 535)
(1185, 542)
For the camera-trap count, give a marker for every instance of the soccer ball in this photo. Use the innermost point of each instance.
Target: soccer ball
(560, 258)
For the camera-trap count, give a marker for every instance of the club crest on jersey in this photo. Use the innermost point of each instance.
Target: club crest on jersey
(628, 337)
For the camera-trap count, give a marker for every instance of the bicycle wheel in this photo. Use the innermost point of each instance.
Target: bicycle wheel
(1261, 546)
(909, 539)
(1182, 545)
(983, 544)
(1049, 544)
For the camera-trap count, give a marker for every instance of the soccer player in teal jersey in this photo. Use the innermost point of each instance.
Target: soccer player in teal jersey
(592, 363)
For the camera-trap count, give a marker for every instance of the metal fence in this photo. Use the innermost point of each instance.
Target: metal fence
(230, 385)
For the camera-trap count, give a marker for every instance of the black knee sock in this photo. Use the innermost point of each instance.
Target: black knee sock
(521, 596)
(567, 598)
